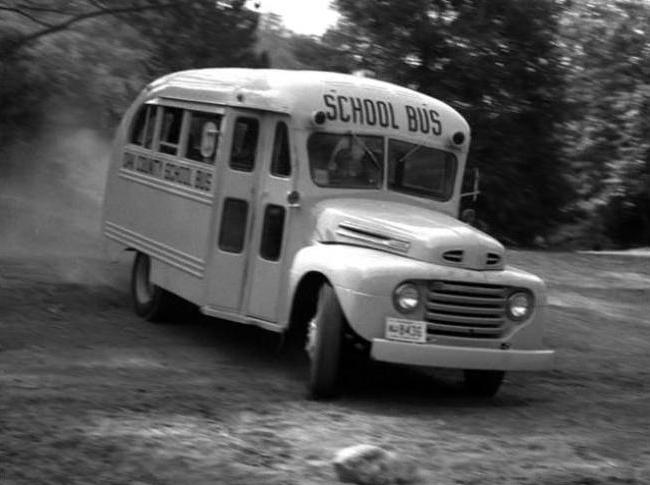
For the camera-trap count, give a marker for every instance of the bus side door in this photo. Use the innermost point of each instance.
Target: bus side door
(268, 262)
(235, 204)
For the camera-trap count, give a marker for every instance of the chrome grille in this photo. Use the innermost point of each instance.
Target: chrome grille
(466, 309)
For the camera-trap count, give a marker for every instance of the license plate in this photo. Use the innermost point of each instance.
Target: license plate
(406, 330)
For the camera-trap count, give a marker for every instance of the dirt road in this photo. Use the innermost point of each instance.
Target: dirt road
(89, 394)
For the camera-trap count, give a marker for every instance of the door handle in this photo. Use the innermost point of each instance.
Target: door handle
(293, 198)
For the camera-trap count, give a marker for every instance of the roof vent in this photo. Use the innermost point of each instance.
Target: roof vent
(454, 256)
(492, 259)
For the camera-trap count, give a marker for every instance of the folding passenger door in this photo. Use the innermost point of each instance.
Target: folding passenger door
(268, 257)
(234, 208)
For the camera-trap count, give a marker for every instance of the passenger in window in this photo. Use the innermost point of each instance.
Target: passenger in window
(203, 138)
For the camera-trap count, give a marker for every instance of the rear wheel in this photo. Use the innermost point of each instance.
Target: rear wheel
(483, 383)
(150, 302)
(324, 342)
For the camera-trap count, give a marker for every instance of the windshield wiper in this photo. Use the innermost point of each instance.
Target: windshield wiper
(356, 138)
(408, 154)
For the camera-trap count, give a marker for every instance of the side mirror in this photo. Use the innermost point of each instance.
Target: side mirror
(475, 191)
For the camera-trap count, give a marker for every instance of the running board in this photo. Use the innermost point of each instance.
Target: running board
(245, 319)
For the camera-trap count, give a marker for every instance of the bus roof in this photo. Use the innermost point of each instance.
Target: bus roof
(274, 89)
(301, 93)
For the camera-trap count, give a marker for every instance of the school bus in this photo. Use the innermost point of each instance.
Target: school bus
(321, 204)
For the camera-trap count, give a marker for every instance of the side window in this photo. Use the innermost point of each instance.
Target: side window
(244, 144)
(203, 136)
(170, 130)
(281, 158)
(138, 125)
(143, 126)
(272, 231)
(233, 225)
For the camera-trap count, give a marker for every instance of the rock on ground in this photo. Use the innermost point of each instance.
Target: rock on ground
(372, 465)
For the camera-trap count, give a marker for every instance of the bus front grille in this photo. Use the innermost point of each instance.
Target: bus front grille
(461, 309)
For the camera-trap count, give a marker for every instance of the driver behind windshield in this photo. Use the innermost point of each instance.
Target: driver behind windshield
(351, 164)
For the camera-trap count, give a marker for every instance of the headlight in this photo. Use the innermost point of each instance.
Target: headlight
(519, 305)
(406, 297)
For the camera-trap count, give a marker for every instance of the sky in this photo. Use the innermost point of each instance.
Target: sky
(310, 17)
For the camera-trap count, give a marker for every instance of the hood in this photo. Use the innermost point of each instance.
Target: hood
(411, 231)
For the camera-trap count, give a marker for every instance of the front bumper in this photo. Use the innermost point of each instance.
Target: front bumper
(433, 355)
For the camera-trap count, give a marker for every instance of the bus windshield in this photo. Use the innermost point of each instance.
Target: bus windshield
(357, 162)
(421, 170)
(346, 160)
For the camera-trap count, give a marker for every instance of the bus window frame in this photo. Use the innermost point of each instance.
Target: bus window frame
(413, 191)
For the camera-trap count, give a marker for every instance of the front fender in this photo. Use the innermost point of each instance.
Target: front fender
(360, 277)
(351, 267)
(377, 272)
(364, 280)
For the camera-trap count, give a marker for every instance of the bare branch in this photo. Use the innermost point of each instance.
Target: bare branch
(26, 15)
(25, 5)
(11, 48)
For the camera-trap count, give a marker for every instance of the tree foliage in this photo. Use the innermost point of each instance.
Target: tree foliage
(41, 18)
(201, 33)
(557, 92)
(97, 54)
(496, 63)
(607, 53)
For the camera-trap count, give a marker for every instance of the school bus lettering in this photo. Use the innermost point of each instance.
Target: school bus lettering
(328, 99)
(176, 173)
(360, 111)
(392, 117)
(423, 120)
(168, 171)
(149, 166)
(370, 112)
(129, 161)
(357, 110)
(342, 114)
(203, 180)
(436, 126)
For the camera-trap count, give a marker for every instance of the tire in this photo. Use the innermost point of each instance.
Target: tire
(483, 383)
(324, 342)
(150, 302)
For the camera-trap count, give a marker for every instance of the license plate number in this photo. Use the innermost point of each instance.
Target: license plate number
(406, 330)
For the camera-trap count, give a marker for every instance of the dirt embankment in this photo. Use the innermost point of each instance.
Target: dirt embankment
(91, 394)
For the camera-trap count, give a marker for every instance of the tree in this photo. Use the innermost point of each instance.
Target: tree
(497, 63)
(607, 47)
(200, 33)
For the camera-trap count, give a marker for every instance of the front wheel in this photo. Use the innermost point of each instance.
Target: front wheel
(483, 383)
(324, 341)
(150, 302)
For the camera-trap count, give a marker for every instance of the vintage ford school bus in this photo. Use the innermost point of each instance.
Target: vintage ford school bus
(322, 204)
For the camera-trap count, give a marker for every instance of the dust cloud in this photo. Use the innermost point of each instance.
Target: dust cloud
(51, 190)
